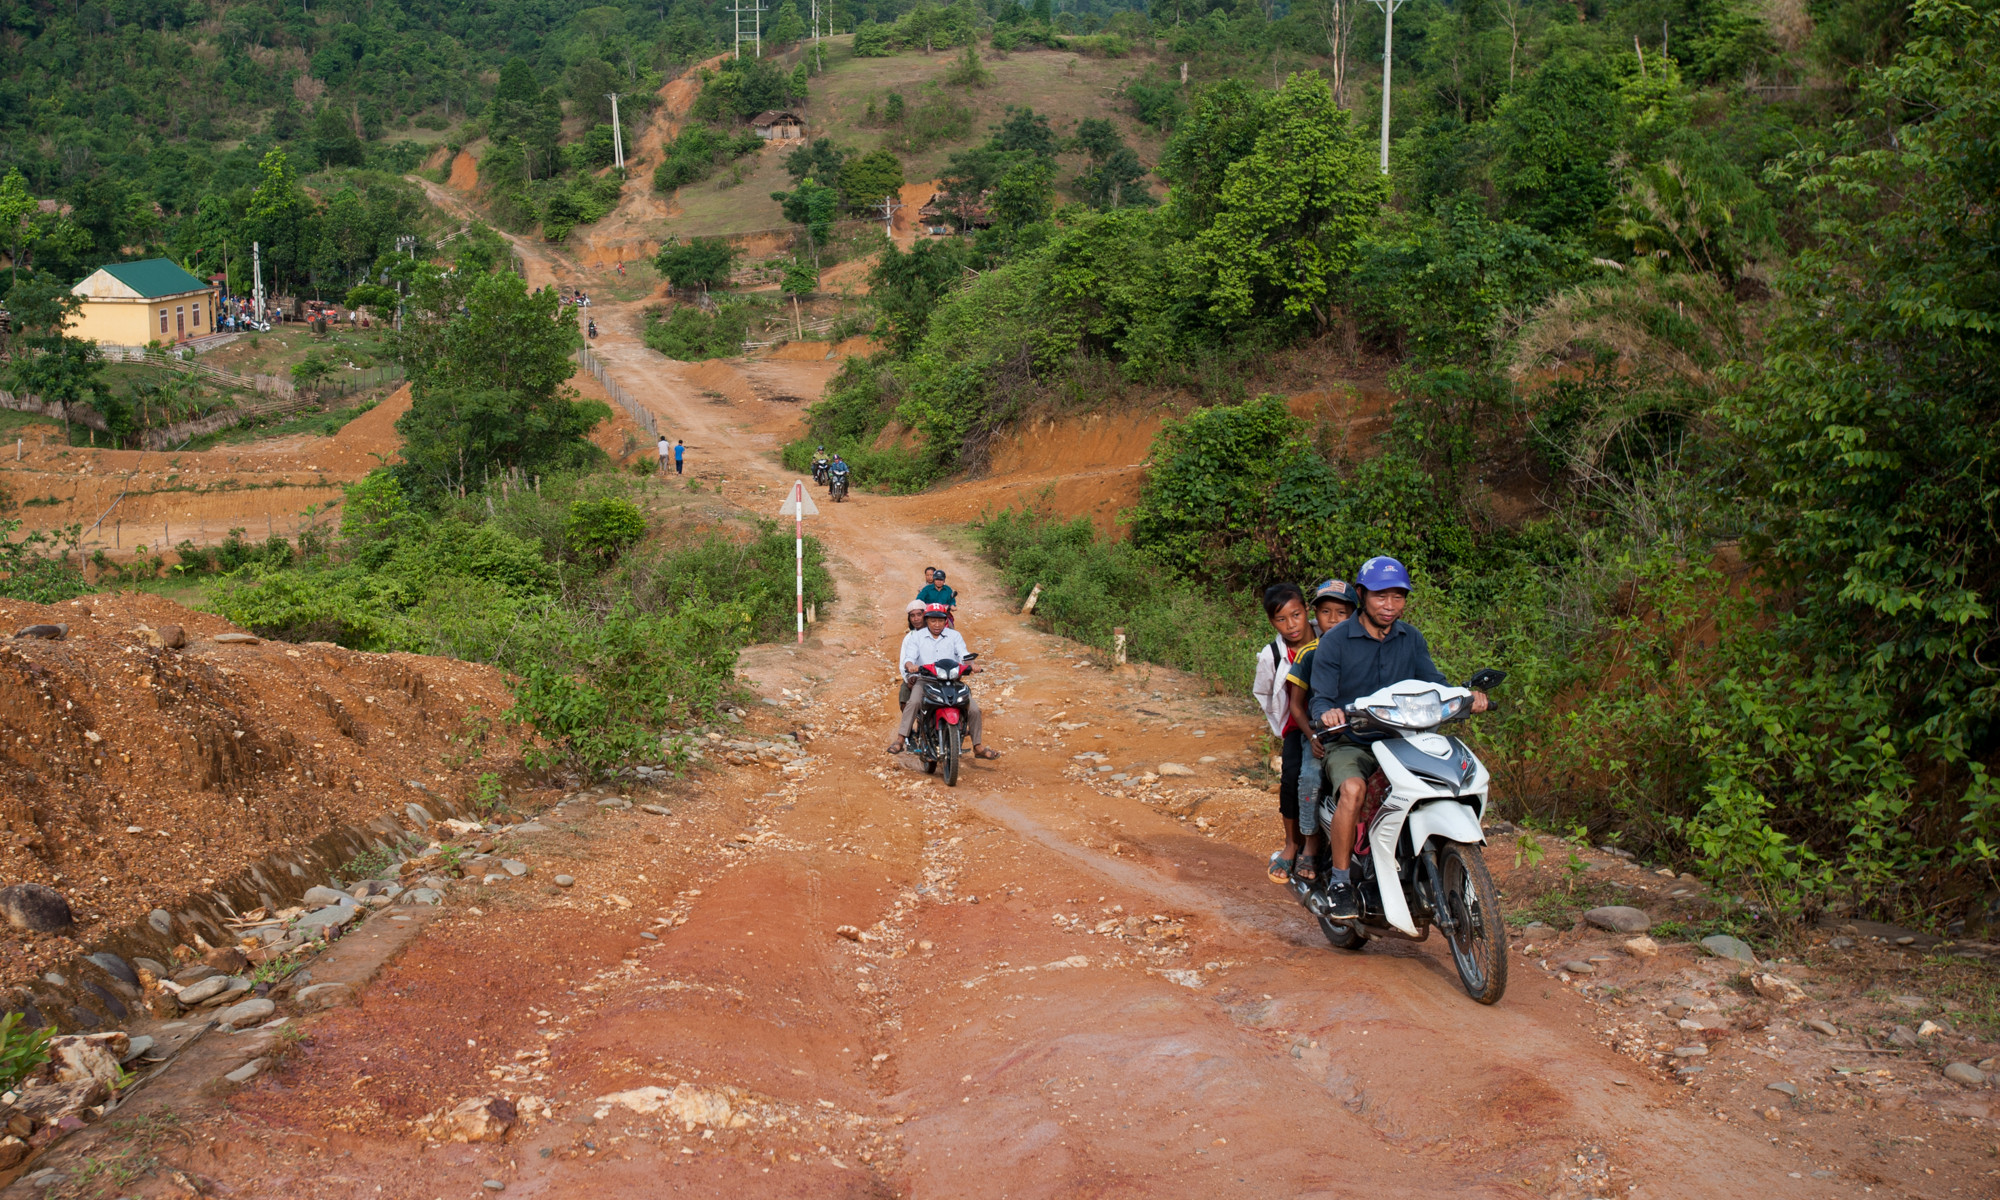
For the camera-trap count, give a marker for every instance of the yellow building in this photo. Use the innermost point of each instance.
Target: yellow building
(134, 303)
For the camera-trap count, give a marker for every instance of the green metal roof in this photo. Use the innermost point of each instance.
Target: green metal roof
(155, 277)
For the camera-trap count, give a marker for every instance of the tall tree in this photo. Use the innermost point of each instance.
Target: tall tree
(43, 359)
(280, 216)
(1293, 212)
(17, 204)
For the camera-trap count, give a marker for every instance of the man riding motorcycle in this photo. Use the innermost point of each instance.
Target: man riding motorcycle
(1363, 654)
(820, 463)
(933, 643)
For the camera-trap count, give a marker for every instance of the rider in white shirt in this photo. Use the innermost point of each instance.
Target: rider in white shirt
(933, 643)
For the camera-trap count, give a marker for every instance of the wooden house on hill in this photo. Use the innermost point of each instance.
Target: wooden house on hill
(944, 209)
(778, 124)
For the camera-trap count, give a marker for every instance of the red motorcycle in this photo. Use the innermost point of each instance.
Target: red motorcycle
(939, 734)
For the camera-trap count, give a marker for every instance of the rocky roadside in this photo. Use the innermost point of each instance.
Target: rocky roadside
(275, 971)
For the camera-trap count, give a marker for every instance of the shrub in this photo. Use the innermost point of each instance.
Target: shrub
(1091, 584)
(599, 529)
(21, 1050)
(28, 571)
(690, 334)
(872, 40)
(599, 689)
(698, 263)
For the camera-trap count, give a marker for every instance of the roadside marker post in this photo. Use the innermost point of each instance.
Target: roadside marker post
(798, 506)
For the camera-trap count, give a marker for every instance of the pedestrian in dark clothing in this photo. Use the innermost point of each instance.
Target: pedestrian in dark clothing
(680, 452)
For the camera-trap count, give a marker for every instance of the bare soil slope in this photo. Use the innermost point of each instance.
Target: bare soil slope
(133, 774)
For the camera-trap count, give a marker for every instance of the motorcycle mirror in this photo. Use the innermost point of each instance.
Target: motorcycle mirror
(970, 657)
(1486, 679)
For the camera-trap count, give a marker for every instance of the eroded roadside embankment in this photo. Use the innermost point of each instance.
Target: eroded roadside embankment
(138, 777)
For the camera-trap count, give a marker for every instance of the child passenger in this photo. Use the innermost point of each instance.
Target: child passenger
(1285, 605)
(1333, 602)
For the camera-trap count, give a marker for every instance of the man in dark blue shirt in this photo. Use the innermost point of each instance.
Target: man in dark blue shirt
(1365, 653)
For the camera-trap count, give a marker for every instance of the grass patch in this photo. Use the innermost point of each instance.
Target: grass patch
(1092, 583)
(316, 424)
(1561, 907)
(1967, 990)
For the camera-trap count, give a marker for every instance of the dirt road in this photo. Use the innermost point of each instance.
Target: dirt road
(842, 978)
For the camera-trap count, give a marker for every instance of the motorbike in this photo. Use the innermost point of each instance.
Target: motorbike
(939, 734)
(819, 471)
(1417, 861)
(836, 484)
(593, 331)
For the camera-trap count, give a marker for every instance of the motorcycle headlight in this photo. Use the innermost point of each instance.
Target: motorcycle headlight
(1412, 710)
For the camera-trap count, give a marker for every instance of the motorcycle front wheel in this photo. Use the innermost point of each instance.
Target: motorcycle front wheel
(1478, 936)
(951, 746)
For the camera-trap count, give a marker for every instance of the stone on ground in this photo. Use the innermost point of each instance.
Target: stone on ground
(1619, 918)
(1642, 947)
(1723, 946)
(480, 1119)
(246, 1012)
(1778, 988)
(35, 908)
(1965, 1073)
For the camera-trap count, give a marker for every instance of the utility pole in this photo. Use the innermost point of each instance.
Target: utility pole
(617, 134)
(757, 26)
(737, 10)
(257, 274)
(1388, 8)
(889, 205)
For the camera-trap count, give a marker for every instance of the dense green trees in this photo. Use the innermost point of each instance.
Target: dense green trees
(1679, 317)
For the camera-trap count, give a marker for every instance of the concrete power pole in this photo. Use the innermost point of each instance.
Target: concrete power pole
(889, 205)
(617, 134)
(257, 275)
(757, 26)
(1388, 8)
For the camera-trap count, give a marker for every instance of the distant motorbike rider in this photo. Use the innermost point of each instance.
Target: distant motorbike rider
(933, 643)
(820, 461)
(1365, 653)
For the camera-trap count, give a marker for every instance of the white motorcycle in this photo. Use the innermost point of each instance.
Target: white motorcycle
(1417, 859)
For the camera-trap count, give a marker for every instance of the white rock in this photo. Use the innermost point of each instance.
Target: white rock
(88, 1056)
(481, 1119)
(1778, 988)
(1175, 769)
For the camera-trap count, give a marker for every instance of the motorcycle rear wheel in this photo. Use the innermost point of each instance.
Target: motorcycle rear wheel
(1343, 935)
(951, 745)
(1478, 937)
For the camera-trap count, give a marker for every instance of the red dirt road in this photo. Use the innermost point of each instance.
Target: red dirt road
(1053, 989)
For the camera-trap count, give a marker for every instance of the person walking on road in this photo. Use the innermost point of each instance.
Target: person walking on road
(680, 452)
(666, 452)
